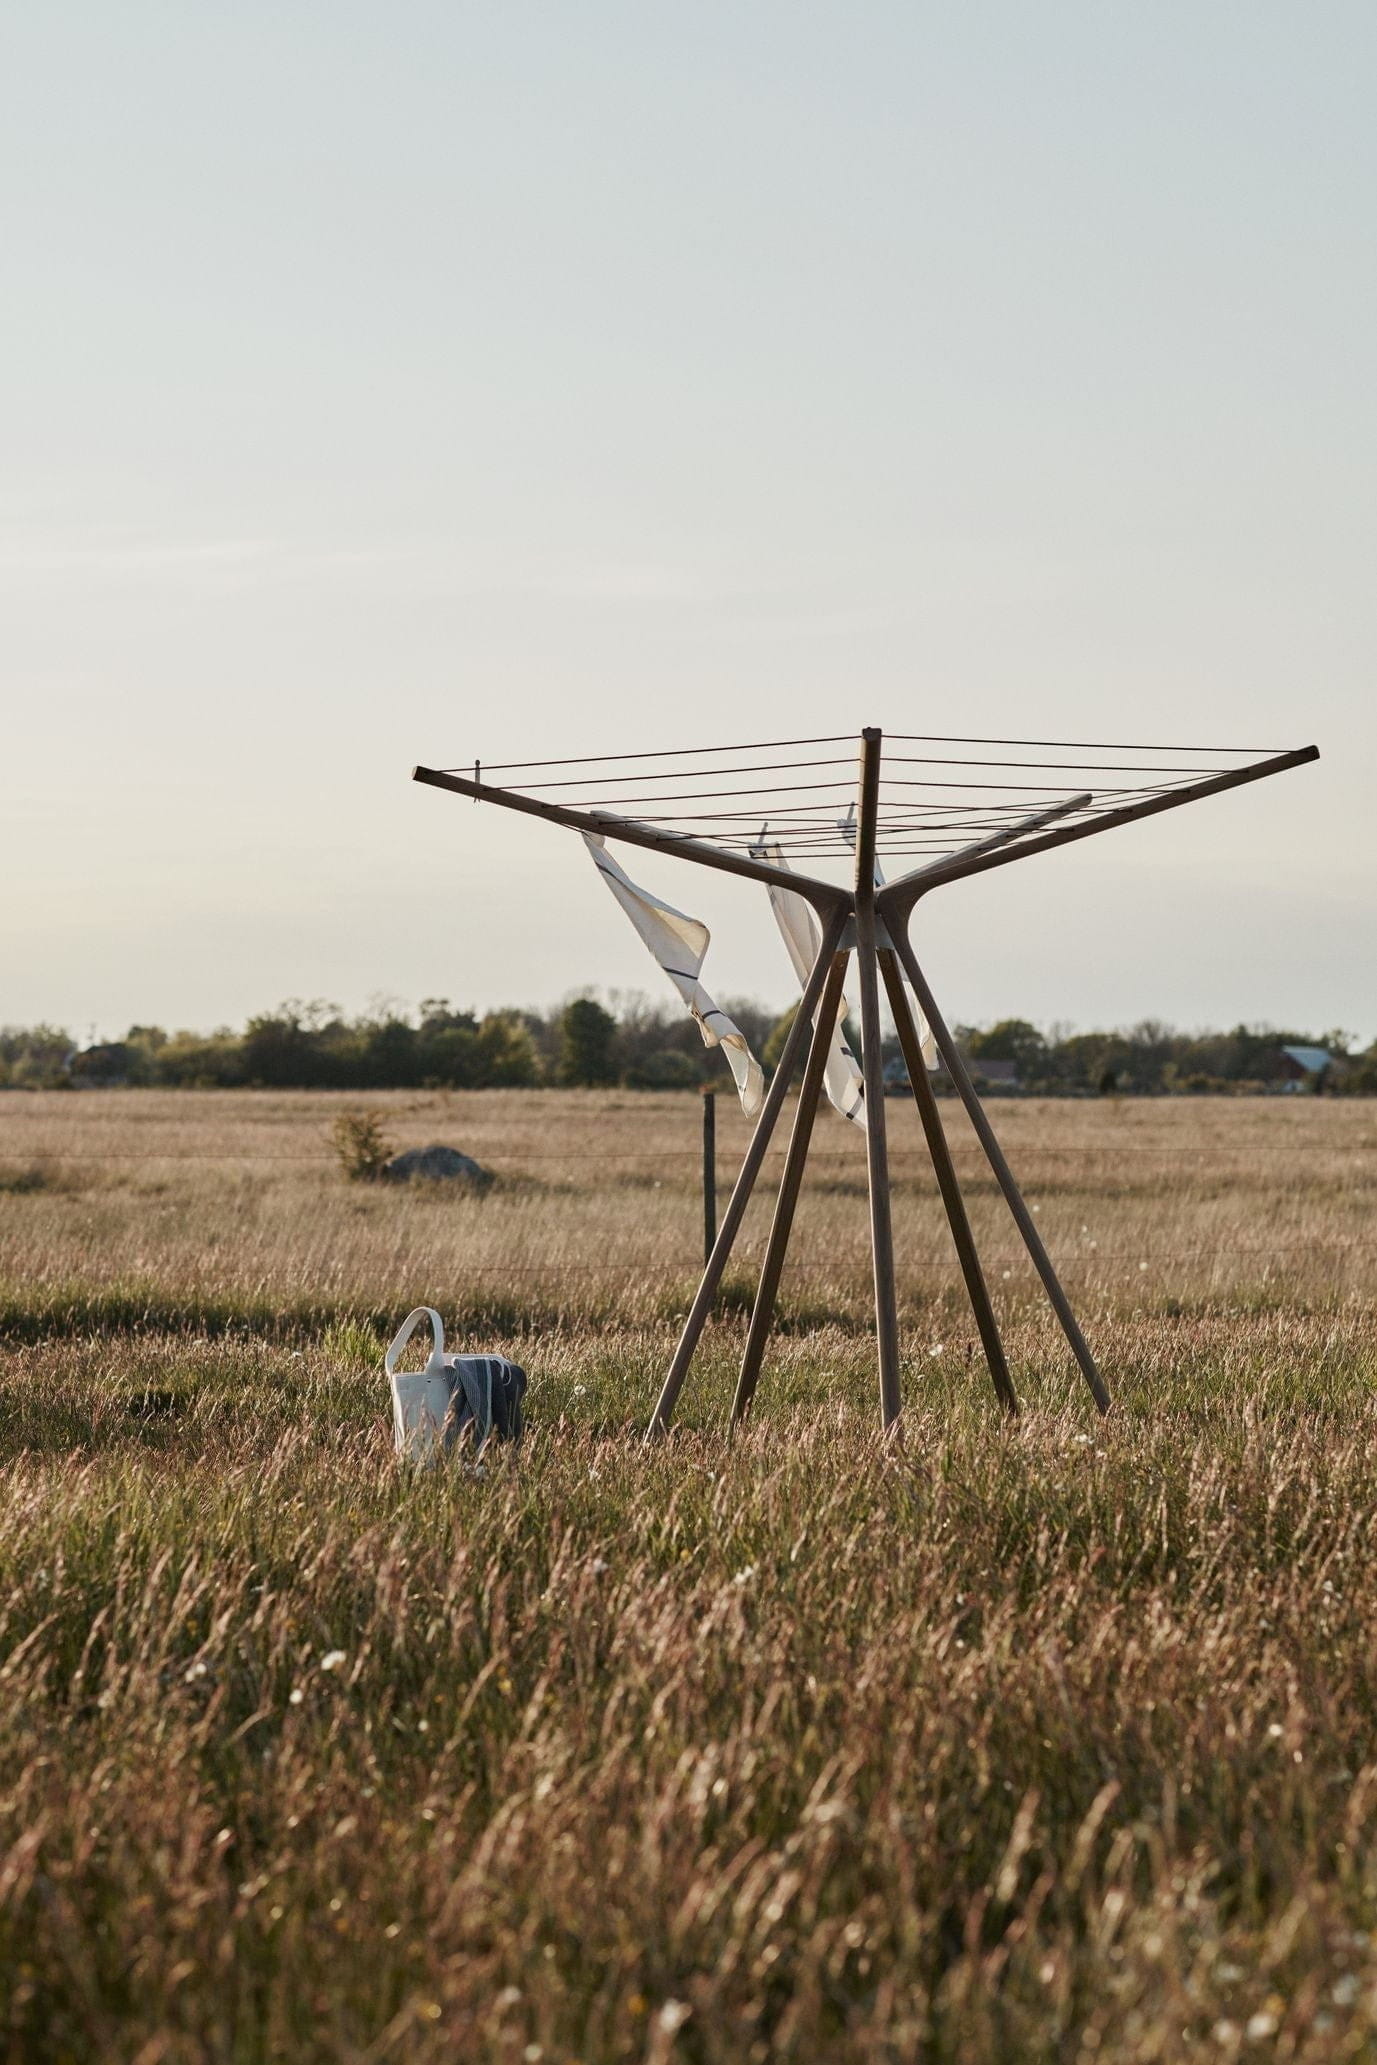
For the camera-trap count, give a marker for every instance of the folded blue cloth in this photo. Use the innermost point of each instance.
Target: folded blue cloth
(485, 1399)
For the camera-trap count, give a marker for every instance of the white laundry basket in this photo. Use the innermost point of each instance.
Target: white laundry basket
(420, 1398)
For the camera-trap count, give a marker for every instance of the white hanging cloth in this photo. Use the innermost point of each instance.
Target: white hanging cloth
(802, 936)
(680, 944)
(847, 827)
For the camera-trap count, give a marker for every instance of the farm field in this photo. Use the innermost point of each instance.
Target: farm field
(1054, 1738)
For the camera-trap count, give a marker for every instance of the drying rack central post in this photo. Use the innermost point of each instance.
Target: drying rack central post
(873, 1076)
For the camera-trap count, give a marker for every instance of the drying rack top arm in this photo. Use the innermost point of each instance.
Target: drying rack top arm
(825, 896)
(900, 896)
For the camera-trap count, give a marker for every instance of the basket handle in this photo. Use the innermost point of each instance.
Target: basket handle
(408, 1328)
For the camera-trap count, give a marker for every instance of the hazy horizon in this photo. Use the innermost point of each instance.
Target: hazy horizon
(454, 384)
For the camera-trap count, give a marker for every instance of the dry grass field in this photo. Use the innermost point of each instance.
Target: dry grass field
(1045, 1739)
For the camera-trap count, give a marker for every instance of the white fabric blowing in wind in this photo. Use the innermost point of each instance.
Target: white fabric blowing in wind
(847, 827)
(802, 936)
(680, 945)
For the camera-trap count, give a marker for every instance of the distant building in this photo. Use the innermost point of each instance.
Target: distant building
(1307, 1068)
(104, 1067)
(896, 1076)
(994, 1077)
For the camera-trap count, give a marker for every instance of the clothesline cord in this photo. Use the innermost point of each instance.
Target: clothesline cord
(934, 738)
(669, 753)
(851, 739)
(737, 817)
(609, 781)
(890, 760)
(829, 811)
(1063, 766)
(839, 802)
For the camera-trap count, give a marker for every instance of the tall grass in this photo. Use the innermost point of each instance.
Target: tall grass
(1053, 1739)
(198, 1208)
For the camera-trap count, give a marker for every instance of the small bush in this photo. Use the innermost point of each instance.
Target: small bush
(351, 1344)
(363, 1148)
(35, 1176)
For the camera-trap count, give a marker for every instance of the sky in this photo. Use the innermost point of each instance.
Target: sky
(435, 382)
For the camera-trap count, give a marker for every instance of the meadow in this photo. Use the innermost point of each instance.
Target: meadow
(1045, 1738)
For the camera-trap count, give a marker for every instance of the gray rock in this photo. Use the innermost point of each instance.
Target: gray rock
(436, 1165)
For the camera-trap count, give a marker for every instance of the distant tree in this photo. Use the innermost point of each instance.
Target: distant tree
(665, 1069)
(647, 1028)
(1012, 1039)
(587, 1034)
(506, 1053)
(389, 1054)
(277, 1050)
(1252, 1053)
(200, 1061)
(151, 1036)
(1360, 1078)
(34, 1057)
(447, 1046)
(773, 1047)
(774, 1040)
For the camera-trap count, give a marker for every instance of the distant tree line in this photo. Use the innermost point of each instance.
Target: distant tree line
(315, 1046)
(1152, 1059)
(636, 1044)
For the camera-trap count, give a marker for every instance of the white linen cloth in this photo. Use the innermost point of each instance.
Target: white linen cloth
(680, 945)
(802, 936)
(847, 827)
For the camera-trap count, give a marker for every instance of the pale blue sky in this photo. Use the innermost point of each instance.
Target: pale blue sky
(423, 382)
